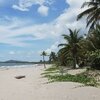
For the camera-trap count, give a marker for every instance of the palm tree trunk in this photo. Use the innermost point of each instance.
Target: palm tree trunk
(74, 61)
(44, 62)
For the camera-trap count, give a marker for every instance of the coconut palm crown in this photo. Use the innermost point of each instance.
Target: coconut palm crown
(72, 44)
(92, 13)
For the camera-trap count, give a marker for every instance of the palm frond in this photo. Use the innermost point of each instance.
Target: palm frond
(89, 4)
(67, 38)
(61, 45)
(86, 12)
(92, 13)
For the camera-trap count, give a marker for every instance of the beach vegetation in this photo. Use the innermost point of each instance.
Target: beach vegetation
(86, 77)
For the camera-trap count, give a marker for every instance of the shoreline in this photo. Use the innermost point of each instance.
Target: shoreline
(20, 66)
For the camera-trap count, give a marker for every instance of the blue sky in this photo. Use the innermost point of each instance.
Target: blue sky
(28, 27)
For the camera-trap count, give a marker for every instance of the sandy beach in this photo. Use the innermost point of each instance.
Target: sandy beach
(35, 87)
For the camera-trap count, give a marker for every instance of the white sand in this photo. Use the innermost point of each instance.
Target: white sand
(34, 87)
(76, 71)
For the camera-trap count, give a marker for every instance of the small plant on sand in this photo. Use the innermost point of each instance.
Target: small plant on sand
(51, 70)
(53, 76)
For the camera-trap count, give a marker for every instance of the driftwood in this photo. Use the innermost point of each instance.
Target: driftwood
(20, 77)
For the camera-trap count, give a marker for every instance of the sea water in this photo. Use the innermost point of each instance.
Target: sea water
(16, 65)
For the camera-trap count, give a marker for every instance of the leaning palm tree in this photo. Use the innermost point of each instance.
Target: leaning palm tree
(92, 13)
(43, 54)
(72, 45)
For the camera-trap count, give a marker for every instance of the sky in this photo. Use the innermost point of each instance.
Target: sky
(28, 27)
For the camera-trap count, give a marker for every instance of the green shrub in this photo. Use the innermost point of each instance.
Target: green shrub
(96, 64)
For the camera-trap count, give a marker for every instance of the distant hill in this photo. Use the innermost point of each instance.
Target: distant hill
(15, 61)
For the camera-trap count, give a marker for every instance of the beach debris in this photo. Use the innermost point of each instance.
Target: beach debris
(20, 77)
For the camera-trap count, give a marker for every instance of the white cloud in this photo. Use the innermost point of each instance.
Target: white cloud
(52, 29)
(43, 10)
(53, 48)
(24, 5)
(8, 32)
(20, 8)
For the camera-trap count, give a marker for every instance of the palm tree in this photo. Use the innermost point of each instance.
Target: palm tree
(43, 54)
(92, 13)
(72, 45)
(52, 57)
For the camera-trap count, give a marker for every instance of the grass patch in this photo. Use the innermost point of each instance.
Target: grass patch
(51, 69)
(50, 72)
(53, 75)
(72, 78)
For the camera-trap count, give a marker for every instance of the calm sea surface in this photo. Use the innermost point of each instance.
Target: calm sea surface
(12, 65)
